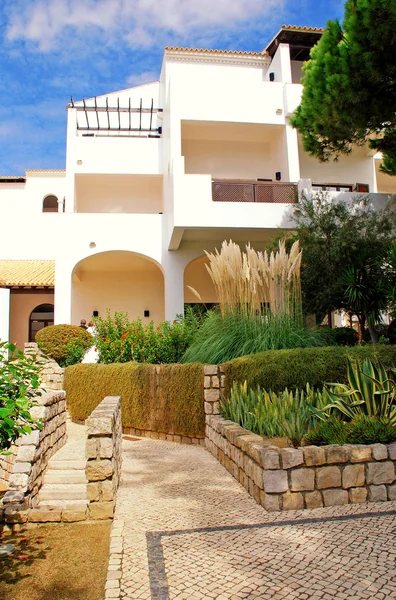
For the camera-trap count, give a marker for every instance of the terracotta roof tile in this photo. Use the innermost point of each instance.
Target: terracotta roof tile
(212, 51)
(27, 273)
(302, 28)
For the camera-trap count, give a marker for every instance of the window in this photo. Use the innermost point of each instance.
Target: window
(50, 204)
(40, 317)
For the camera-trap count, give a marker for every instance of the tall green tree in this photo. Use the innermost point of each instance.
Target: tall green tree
(348, 257)
(349, 94)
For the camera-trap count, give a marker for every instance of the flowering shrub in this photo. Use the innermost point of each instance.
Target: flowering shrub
(118, 340)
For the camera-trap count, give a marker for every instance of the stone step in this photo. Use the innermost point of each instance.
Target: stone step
(72, 464)
(66, 476)
(63, 503)
(62, 491)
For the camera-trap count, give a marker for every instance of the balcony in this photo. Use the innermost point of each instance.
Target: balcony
(237, 190)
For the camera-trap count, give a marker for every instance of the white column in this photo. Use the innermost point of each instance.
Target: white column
(293, 158)
(63, 294)
(174, 288)
(4, 314)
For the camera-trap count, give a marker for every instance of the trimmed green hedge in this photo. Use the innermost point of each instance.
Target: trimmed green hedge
(165, 398)
(277, 369)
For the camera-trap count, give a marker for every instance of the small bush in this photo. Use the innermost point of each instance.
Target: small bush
(331, 431)
(339, 336)
(62, 342)
(165, 399)
(370, 430)
(293, 369)
(362, 430)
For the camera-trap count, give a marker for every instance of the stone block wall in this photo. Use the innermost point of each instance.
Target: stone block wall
(306, 477)
(33, 453)
(6, 465)
(170, 437)
(103, 453)
(51, 373)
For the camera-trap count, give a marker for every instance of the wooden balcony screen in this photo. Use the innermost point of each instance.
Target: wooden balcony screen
(238, 190)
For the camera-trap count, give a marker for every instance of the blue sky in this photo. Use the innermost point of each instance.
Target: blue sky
(52, 49)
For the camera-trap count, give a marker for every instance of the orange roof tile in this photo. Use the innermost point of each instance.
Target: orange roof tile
(27, 273)
(302, 28)
(212, 51)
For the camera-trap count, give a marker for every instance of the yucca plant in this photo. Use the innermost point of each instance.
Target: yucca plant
(370, 391)
(287, 414)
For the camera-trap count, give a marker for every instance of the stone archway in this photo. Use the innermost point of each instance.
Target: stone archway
(120, 281)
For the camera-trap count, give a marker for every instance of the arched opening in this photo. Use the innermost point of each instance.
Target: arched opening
(197, 277)
(42, 316)
(50, 204)
(120, 281)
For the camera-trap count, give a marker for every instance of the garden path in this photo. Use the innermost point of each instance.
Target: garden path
(184, 529)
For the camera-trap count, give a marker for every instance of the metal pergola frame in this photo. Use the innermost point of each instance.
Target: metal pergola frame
(95, 108)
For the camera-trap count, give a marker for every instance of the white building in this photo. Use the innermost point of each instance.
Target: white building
(154, 176)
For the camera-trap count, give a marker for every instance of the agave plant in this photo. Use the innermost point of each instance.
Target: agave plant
(370, 391)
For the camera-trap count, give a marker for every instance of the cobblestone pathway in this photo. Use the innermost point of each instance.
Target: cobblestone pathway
(186, 530)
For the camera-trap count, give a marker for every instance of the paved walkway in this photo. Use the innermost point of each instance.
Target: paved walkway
(185, 529)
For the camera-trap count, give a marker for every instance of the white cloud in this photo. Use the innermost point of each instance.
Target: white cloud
(138, 22)
(142, 78)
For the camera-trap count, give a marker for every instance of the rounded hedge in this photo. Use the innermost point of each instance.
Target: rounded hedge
(55, 340)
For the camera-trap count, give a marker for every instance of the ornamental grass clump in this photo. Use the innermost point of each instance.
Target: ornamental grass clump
(260, 305)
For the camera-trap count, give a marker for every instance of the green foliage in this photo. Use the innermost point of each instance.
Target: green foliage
(19, 385)
(347, 256)
(118, 340)
(330, 431)
(339, 336)
(74, 353)
(349, 94)
(369, 391)
(286, 414)
(371, 430)
(222, 338)
(63, 342)
(293, 369)
(165, 399)
(361, 430)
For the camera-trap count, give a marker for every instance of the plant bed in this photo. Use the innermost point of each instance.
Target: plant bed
(305, 477)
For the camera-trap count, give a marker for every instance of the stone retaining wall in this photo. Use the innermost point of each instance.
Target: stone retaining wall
(33, 453)
(6, 465)
(296, 478)
(51, 374)
(155, 435)
(306, 477)
(103, 451)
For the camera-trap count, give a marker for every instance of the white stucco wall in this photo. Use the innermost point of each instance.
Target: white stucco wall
(357, 167)
(138, 194)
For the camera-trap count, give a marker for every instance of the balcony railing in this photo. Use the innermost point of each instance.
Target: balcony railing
(239, 190)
